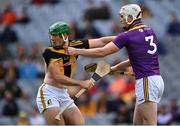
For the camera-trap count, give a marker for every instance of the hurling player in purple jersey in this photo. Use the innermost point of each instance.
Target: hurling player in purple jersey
(141, 44)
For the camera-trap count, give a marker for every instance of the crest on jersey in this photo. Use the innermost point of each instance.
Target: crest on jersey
(49, 102)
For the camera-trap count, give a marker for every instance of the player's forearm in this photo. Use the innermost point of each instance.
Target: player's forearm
(100, 41)
(96, 52)
(121, 65)
(66, 81)
(72, 91)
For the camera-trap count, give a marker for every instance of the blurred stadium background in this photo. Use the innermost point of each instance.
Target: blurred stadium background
(24, 35)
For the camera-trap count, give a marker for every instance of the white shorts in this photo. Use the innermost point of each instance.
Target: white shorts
(49, 96)
(149, 89)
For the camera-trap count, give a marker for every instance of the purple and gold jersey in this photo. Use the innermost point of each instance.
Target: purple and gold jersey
(141, 44)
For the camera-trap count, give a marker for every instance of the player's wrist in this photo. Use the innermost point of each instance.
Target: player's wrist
(78, 52)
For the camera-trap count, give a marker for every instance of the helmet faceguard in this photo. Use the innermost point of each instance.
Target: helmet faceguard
(59, 28)
(131, 9)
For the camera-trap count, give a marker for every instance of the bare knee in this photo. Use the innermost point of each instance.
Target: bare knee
(149, 115)
(149, 120)
(78, 120)
(146, 120)
(137, 121)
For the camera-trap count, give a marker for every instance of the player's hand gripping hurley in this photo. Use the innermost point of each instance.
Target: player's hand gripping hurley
(102, 69)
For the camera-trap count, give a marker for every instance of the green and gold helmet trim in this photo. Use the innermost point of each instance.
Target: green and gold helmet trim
(59, 28)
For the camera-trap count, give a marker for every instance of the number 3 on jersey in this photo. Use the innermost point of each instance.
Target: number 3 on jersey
(150, 39)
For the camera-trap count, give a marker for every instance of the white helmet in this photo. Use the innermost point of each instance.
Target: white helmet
(131, 9)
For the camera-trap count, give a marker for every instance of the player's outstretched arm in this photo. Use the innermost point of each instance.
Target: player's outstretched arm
(120, 66)
(95, 52)
(100, 41)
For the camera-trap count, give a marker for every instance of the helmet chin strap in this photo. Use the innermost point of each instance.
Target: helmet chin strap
(132, 24)
(129, 23)
(66, 41)
(67, 38)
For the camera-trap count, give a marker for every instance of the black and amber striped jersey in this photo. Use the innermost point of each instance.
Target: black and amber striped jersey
(67, 63)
